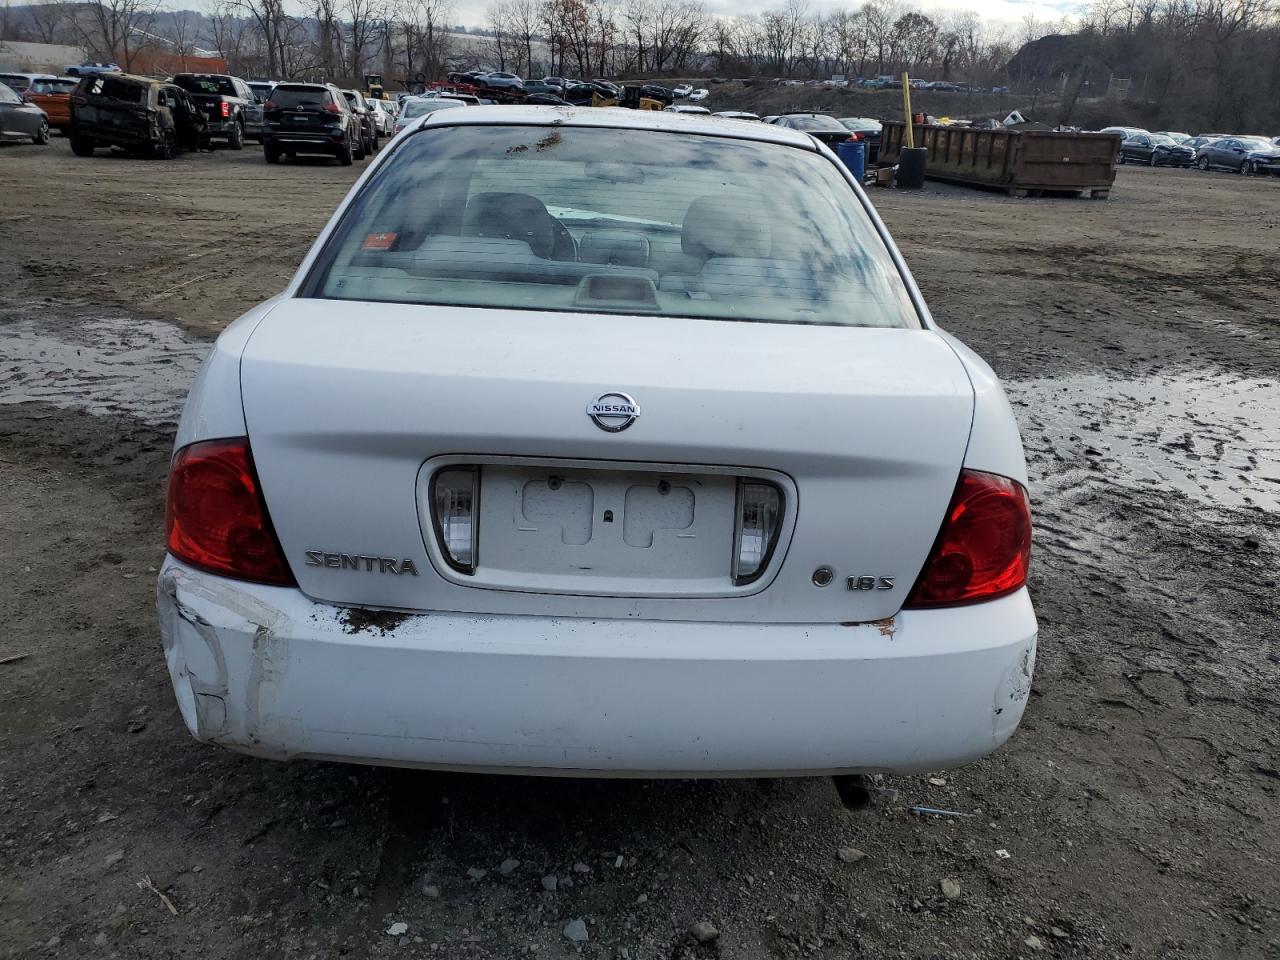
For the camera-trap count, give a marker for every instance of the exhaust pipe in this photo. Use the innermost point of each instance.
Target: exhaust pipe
(853, 791)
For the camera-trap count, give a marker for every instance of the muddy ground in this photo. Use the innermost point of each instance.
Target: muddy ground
(1133, 814)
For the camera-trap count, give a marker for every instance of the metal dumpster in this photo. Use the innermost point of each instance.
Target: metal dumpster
(1019, 162)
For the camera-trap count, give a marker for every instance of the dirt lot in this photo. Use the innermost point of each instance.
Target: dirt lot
(1134, 814)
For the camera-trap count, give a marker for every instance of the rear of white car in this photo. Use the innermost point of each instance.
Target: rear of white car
(551, 461)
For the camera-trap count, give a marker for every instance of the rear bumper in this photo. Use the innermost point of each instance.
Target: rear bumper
(267, 671)
(301, 141)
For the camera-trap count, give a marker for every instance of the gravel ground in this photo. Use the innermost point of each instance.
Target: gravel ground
(1133, 814)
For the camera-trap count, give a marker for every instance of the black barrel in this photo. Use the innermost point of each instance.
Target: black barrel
(911, 168)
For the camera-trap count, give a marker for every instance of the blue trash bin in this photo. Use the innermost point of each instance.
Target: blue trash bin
(853, 154)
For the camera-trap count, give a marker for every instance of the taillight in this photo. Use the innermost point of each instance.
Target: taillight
(332, 107)
(269, 105)
(984, 547)
(759, 517)
(216, 518)
(226, 109)
(454, 501)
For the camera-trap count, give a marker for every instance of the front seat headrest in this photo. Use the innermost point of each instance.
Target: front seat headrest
(516, 216)
(725, 226)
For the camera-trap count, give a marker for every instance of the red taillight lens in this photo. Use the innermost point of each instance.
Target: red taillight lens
(215, 517)
(984, 547)
(332, 107)
(269, 105)
(226, 108)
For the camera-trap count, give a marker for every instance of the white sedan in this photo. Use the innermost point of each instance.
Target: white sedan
(384, 116)
(417, 107)
(549, 461)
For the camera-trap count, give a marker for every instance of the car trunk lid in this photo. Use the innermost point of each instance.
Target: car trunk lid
(354, 408)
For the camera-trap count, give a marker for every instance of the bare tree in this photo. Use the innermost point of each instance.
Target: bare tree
(115, 30)
(51, 21)
(425, 36)
(274, 31)
(496, 21)
(878, 17)
(365, 21)
(181, 30)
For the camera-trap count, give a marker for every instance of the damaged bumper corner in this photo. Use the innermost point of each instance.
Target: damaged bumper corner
(267, 671)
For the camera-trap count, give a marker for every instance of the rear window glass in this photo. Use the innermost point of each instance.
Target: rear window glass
(814, 123)
(211, 86)
(417, 108)
(613, 221)
(126, 91)
(14, 81)
(300, 97)
(53, 86)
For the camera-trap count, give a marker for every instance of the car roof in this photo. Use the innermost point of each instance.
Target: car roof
(618, 118)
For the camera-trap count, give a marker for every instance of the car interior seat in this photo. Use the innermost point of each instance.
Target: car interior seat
(518, 216)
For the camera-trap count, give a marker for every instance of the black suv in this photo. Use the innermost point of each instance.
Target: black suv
(310, 118)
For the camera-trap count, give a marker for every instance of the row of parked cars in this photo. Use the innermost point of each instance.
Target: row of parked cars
(1248, 155)
(889, 83)
(565, 90)
(191, 111)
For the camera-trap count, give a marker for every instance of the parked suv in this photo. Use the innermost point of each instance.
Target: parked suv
(228, 103)
(141, 115)
(310, 118)
(368, 125)
(53, 96)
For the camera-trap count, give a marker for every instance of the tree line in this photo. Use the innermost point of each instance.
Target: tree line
(673, 37)
(1206, 65)
(343, 39)
(1218, 59)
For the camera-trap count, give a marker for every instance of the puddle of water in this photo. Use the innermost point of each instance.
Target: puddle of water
(1212, 437)
(138, 367)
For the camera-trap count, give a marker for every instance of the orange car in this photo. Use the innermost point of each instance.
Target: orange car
(53, 96)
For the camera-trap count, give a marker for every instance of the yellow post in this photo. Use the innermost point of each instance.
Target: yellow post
(906, 108)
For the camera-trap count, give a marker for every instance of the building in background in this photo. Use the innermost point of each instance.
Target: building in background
(54, 58)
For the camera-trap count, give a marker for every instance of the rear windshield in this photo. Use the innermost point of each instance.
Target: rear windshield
(417, 108)
(211, 86)
(815, 123)
(613, 221)
(126, 91)
(300, 97)
(14, 81)
(53, 86)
